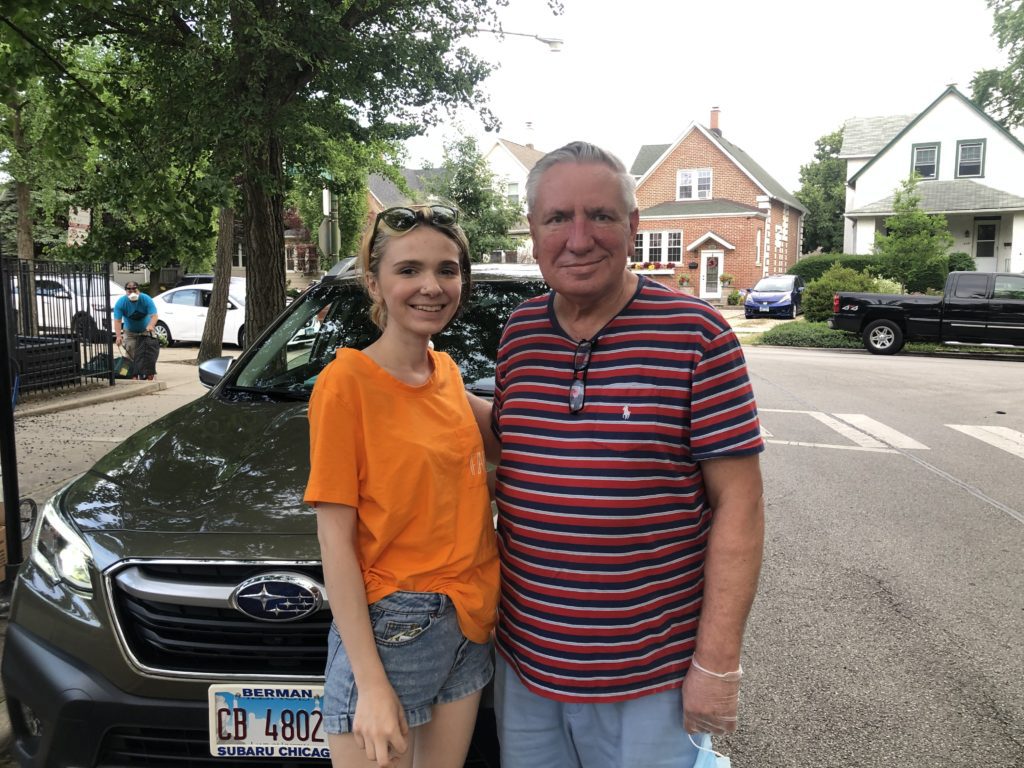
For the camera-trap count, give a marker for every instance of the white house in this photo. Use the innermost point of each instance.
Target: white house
(511, 163)
(971, 170)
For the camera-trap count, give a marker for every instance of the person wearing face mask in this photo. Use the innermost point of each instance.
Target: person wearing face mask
(134, 320)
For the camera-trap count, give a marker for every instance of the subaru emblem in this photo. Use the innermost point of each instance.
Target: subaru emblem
(278, 597)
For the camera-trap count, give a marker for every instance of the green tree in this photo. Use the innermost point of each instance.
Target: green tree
(1000, 92)
(236, 90)
(823, 192)
(914, 250)
(818, 295)
(466, 180)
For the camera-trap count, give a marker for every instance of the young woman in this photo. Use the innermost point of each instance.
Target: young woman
(399, 481)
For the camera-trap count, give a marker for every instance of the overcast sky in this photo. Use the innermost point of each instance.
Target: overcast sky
(783, 73)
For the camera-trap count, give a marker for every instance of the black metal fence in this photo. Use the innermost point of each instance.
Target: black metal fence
(58, 324)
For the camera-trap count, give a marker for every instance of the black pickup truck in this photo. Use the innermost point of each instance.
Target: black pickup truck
(975, 308)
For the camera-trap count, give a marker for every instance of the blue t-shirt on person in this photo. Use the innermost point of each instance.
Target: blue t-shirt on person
(134, 315)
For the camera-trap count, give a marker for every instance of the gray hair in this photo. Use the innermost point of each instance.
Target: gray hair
(582, 152)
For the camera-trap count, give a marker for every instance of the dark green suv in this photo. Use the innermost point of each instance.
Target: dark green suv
(171, 610)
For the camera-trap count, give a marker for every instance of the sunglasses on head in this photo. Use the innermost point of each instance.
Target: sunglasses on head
(402, 219)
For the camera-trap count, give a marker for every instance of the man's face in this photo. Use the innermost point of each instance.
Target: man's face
(582, 231)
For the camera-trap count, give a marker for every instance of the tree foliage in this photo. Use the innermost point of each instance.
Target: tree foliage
(914, 250)
(467, 181)
(823, 192)
(1000, 92)
(201, 98)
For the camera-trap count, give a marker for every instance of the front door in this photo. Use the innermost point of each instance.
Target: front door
(710, 270)
(986, 236)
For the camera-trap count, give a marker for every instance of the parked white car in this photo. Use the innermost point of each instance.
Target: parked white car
(72, 303)
(182, 312)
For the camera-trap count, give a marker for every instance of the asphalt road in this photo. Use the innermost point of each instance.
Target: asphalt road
(888, 627)
(887, 630)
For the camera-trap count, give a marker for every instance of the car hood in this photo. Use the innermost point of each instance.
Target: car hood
(211, 467)
(768, 295)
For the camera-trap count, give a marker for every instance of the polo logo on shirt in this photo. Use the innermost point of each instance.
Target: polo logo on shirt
(626, 413)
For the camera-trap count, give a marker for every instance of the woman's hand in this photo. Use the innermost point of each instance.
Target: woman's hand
(379, 725)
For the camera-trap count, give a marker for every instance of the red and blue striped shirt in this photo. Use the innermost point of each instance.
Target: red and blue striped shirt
(603, 519)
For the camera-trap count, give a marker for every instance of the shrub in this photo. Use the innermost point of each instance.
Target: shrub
(806, 334)
(812, 267)
(735, 298)
(961, 262)
(818, 295)
(884, 285)
(929, 274)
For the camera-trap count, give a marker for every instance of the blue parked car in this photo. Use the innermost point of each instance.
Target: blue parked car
(779, 295)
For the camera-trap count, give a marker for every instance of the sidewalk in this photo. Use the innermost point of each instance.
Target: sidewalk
(61, 435)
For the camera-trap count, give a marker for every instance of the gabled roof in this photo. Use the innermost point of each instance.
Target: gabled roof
(709, 235)
(387, 192)
(866, 136)
(525, 154)
(957, 196)
(646, 157)
(699, 208)
(646, 161)
(951, 90)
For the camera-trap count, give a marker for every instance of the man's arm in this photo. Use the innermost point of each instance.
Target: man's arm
(731, 569)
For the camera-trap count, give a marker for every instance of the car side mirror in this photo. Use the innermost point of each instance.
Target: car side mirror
(212, 371)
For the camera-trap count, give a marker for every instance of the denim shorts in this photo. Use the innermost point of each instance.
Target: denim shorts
(427, 659)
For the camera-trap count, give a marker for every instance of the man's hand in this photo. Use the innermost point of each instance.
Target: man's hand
(710, 700)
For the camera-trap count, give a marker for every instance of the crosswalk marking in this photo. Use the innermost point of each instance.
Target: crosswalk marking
(1004, 438)
(879, 449)
(855, 436)
(881, 431)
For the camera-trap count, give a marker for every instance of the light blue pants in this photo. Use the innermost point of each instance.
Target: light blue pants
(536, 732)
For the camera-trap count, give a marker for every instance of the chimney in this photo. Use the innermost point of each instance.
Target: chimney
(714, 122)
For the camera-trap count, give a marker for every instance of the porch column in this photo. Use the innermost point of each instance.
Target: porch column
(1016, 250)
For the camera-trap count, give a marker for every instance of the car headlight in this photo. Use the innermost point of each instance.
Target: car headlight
(60, 552)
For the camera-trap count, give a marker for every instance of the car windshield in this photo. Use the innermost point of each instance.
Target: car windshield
(336, 314)
(774, 284)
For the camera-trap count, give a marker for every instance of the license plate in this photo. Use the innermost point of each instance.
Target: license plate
(764, 308)
(267, 720)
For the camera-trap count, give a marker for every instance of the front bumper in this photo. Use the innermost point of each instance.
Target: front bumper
(777, 309)
(87, 722)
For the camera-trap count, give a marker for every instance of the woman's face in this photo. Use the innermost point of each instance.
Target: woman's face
(419, 281)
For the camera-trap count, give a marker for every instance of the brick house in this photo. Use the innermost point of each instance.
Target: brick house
(708, 210)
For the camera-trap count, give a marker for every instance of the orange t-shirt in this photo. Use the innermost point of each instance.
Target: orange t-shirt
(411, 461)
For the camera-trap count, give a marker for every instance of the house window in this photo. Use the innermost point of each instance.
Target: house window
(674, 252)
(638, 248)
(512, 192)
(693, 184)
(926, 160)
(237, 259)
(654, 246)
(970, 158)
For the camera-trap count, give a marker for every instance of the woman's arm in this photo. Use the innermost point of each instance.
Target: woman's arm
(379, 725)
(482, 413)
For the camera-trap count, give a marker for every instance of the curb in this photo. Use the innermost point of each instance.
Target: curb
(121, 389)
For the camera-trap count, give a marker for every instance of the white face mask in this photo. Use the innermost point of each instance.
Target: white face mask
(134, 296)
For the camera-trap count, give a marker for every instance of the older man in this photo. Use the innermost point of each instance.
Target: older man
(631, 519)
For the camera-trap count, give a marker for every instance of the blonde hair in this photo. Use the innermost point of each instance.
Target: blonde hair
(373, 249)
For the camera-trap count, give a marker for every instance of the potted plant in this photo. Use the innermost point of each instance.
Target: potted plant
(726, 279)
(684, 280)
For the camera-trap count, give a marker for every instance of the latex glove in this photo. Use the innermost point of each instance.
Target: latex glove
(379, 725)
(710, 700)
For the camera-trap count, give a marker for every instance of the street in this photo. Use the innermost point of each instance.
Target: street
(888, 625)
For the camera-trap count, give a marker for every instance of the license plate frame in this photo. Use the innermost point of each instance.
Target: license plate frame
(764, 308)
(259, 719)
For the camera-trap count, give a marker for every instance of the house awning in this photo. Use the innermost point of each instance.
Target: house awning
(710, 236)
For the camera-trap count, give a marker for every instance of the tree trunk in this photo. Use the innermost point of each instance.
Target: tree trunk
(263, 191)
(23, 192)
(213, 331)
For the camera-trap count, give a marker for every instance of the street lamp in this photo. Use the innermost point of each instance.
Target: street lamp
(554, 44)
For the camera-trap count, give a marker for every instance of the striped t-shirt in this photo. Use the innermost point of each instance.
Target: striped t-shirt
(603, 519)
